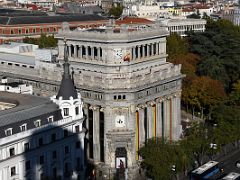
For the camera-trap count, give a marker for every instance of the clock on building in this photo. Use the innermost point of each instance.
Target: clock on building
(120, 121)
(118, 53)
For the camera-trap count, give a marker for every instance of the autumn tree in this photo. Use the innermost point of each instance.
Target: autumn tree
(203, 93)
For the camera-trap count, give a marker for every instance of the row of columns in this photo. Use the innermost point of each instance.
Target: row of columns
(85, 52)
(147, 50)
(159, 118)
(187, 27)
(163, 119)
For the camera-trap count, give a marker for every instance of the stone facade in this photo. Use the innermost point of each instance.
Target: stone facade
(130, 92)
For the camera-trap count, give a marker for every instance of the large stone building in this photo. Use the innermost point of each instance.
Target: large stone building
(40, 138)
(130, 92)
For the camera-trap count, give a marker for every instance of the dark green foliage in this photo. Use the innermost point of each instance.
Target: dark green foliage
(219, 51)
(194, 16)
(160, 157)
(43, 42)
(176, 46)
(116, 11)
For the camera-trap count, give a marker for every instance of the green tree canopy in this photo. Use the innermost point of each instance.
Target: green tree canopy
(44, 41)
(176, 46)
(116, 11)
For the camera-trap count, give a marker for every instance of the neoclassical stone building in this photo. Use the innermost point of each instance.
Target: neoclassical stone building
(130, 93)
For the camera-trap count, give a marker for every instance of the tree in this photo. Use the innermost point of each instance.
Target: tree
(188, 61)
(203, 92)
(218, 48)
(116, 11)
(228, 120)
(159, 158)
(235, 94)
(194, 15)
(44, 41)
(176, 46)
(196, 143)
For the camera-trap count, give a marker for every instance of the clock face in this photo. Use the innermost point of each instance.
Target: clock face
(118, 53)
(120, 121)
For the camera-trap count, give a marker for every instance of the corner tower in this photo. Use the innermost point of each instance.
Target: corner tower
(68, 99)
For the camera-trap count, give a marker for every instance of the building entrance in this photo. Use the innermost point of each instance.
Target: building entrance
(121, 162)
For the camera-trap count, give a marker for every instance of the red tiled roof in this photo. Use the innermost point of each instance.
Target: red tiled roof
(133, 20)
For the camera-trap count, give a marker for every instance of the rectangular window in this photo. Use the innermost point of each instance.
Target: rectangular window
(53, 137)
(37, 123)
(65, 111)
(23, 127)
(54, 173)
(26, 146)
(12, 151)
(50, 119)
(8, 132)
(66, 150)
(13, 171)
(40, 141)
(77, 110)
(41, 160)
(76, 129)
(54, 155)
(65, 133)
(78, 144)
(27, 165)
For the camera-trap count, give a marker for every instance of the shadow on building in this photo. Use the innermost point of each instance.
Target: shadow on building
(54, 152)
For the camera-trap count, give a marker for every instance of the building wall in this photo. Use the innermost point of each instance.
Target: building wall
(68, 146)
(19, 31)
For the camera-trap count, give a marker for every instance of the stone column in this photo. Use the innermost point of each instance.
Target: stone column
(167, 117)
(139, 55)
(148, 50)
(87, 53)
(141, 127)
(164, 47)
(103, 54)
(80, 52)
(69, 51)
(177, 117)
(143, 50)
(159, 118)
(134, 53)
(96, 133)
(149, 120)
(75, 51)
(152, 49)
(98, 53)
(157, 48)
(92, 53)
(109, 151)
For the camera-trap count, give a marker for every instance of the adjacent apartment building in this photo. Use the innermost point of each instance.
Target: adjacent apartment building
(42, 138)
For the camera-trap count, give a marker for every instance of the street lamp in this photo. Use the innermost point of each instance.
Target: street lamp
(174, 170)
(212, 147)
